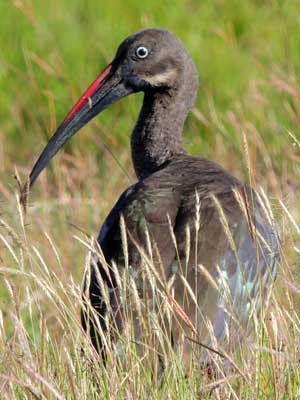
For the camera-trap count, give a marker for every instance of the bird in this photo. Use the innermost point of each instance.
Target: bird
(214, 248)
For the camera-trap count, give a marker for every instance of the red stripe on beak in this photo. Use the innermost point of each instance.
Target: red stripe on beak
(88, 93)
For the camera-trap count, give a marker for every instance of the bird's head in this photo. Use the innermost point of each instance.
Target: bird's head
(150, 60)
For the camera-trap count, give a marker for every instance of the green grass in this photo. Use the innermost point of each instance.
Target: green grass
(248, 57)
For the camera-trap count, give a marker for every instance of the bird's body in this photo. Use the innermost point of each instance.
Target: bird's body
(208, 233)
(171, 200)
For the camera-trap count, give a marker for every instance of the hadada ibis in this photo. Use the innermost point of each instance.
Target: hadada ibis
(214, 247)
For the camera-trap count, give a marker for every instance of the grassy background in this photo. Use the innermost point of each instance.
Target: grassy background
(247, 113)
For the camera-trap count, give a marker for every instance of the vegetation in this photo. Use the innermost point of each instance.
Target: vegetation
(246, 117)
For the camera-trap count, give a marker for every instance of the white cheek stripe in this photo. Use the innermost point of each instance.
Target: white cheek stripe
(160, 79)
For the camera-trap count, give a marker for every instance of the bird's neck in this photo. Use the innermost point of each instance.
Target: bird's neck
(157, 136)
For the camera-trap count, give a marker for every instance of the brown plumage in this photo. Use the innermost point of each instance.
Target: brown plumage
(223, 236)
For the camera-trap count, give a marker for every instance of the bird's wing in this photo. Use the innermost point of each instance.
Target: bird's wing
(244, 277)
(230, 273)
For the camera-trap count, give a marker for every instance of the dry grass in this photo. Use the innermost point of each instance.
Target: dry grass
(247, 118)
(41, 335)
(41, 338)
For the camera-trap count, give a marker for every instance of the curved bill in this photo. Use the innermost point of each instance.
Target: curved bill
(105, 90)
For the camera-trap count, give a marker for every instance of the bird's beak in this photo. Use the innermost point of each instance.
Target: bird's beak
(107, 88)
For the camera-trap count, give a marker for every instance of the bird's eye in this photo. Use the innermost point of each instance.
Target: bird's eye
(141, 52)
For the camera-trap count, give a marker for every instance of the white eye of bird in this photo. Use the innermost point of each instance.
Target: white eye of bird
(141, 52)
